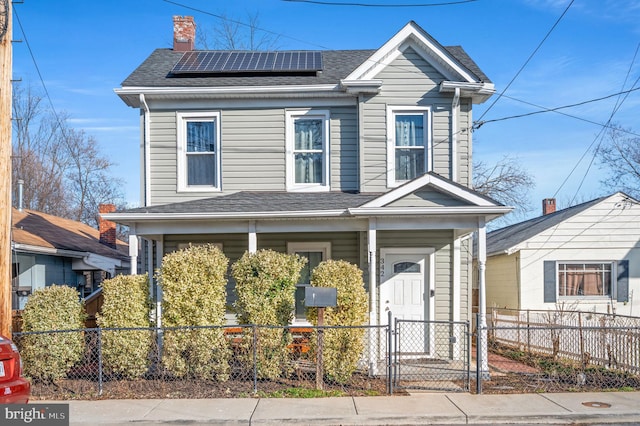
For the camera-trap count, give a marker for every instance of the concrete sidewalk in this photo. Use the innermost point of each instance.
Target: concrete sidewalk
(415, 409)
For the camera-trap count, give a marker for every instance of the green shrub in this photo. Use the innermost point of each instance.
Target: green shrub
(48, 356)
(342, 347)
(126, 305)
(265, 288)
(194, 294)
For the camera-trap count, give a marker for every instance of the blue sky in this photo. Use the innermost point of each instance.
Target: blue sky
(85, 49)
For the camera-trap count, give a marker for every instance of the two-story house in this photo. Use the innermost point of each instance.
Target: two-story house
(360, 155)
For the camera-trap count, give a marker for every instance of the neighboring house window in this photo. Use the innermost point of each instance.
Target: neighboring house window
(314, 253)
(198, 151)
(584, 279)
(409, 140)
(308, 150)
(576, 280)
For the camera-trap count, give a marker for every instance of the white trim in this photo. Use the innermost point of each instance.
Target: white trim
(392, 112)
(182, 117)
(412, 36)
(253, 237)
(430, 255)
(372, 249)
(291, 117)
(456, 276)
(323, 247)
(455, 112)
(579, 298)
(147, 150)
(438, 183)
(430, 211)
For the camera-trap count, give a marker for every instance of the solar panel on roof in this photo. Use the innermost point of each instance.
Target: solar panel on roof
(198, 62)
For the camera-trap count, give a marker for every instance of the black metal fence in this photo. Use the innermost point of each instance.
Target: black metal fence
(250, 360)
(205, 362)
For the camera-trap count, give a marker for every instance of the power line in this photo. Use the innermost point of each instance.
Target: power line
(568, 115)
(527, 61)
(480, 123)
(335, 3)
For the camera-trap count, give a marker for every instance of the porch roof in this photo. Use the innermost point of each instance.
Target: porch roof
(255, 202)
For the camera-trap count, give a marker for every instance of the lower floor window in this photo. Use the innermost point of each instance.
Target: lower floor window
(584, 279)
(314, 253)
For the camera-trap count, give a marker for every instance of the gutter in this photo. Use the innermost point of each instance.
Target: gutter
(131, 94)
(478, 92)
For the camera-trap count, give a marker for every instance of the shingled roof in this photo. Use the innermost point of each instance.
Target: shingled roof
(503, 239)
(155, 71)
(254, 201)
(37, 229)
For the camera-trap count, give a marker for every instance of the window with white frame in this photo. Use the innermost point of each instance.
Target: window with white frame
(314, 253)
(592, 279)
(409, 140)
(198, 151)
(308, 150)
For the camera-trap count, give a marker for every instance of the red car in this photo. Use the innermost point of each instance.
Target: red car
(14, 388)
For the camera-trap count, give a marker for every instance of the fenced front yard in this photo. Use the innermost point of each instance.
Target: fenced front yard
(525, 354)
(178, 362)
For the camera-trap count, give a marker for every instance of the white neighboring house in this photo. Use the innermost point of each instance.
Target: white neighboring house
(585, 257)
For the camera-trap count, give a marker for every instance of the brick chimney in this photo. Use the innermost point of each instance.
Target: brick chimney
(107, 227)
(548, 206)
(184, 33)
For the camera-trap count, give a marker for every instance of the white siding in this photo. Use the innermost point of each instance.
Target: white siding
(609, 231)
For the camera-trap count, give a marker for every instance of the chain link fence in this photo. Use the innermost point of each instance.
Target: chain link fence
(431, 355)
(205, 362)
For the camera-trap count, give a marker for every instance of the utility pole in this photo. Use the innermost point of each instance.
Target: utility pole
(5, 167)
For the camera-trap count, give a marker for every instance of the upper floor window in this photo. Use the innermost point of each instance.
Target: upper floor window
(198, 151)
(409, 137)
(308, 150)
(585, 279)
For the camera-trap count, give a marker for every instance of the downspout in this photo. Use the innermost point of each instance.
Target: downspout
(455, 112)
(147, 146)
(360, 143)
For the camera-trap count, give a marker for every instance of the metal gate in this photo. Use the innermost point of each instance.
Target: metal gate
(431, 355)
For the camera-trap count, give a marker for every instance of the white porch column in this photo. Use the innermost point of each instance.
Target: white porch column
(372, 248)
(133, 253)
(253, 238)
(159, 253)
(482, 308)
(455, 291)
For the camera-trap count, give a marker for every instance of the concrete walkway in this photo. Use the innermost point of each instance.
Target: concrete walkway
(415, 409)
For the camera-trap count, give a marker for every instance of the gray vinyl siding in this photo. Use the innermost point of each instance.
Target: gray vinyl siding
(410, 81)
(427, 198)
(441, 241)
(344, 148)
(466, 274)
(464, 155)
(163, 157)
(344, 245)
(253, 156)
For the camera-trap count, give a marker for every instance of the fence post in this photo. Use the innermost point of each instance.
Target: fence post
(255, 359)
(99, 361)
(468, 344)
(389, 355)
(478, 356)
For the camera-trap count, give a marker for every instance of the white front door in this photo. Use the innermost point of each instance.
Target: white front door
(405, 291)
